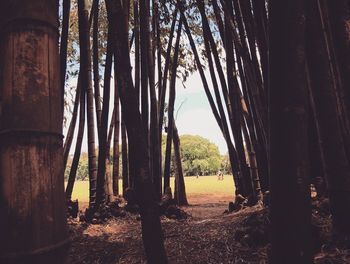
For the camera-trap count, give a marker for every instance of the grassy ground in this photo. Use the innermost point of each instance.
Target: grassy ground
(195, 187)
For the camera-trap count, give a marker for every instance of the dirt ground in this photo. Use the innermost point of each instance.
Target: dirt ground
(207, 237)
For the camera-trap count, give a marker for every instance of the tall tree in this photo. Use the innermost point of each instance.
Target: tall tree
(125, 160)
(70, 133)
(149, 210)
(86, 82)
(103, 149)
(79, 142)
(31, 162)
(172, 93)
(96, 72)
(323, 93)
(63, 44)
(180, 189)
(116, 133)
(290, 210)
(235, 97)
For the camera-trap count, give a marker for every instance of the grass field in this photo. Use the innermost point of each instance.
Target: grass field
(201, 186)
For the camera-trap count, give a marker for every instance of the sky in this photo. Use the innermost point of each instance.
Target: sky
(192, 112)
(195, 116)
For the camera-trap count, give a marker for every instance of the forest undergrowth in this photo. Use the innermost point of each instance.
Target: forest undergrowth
(208, 236)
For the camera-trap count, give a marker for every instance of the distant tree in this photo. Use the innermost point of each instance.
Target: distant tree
(199, 155)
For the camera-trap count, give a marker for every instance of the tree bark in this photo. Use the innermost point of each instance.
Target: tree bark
(337, 164)
(125, 160)
(149, 210)
(70, 133)
(96, 72)
(85, 61)
(33, 223)
(116, 132)
(172, 95)
(77, 152)
(180, 189)
(102, 150)
(290, 211)
(63, 45)
(235, 98)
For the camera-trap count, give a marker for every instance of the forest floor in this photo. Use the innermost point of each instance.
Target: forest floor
(207, 236)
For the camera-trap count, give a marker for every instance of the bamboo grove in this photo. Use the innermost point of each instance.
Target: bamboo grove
(276, 75)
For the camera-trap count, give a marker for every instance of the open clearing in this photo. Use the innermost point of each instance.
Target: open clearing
(202, 190)
(207, 236)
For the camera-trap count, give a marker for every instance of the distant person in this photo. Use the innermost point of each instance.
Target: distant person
(220, 175)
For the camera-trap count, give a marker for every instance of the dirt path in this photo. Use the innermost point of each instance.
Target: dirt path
(206, 237)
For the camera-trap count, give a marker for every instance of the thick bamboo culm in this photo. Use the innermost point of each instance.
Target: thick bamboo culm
(33, 219)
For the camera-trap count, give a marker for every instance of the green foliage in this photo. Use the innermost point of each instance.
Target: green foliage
(83, 168)
(199, 156)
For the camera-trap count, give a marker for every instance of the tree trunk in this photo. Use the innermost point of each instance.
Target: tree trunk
(339, 14)
(144, 38)
(33, 224)
(231, 149)
(70, 133)
(149, 210)
(235, 98)
(85, 61)
(337, 165)
(290, 211)
(103, 150)
(63, 46)
(154, 134)
(95, 15)
(109, 181)
(180, 189)
(172, 96)
(125, 161)
(137, 49)
(165, 74)
(116, 132)
(76, 157)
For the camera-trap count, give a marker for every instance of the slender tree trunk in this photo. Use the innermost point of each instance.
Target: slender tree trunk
(151, 227)
(109, 181)
(290, 211)
(103, 150)
(154, 126)
(144, 38)
(137, 49)
(339, 14)
(224, 126)
(165, 74)
(96, 57)
(85, 61)
(219, 21)
(70, 133)
(63, 45)
(79, 142)
(172, 95)
(231, 149)
(180, 189)
(116, 133)
(245, 10)
(235, 97)
(125, 156)
(253, 166)
(337, 164)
